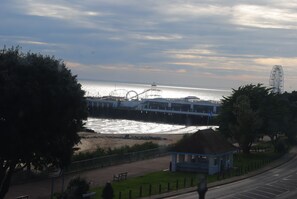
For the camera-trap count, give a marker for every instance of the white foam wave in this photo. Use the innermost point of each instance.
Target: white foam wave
(120, 126)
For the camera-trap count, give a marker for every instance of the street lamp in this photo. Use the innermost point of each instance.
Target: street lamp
(55, 174)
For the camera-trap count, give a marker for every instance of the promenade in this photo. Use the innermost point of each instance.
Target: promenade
(97, 177)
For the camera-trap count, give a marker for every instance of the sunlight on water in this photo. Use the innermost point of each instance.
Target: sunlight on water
(98, 88)
(117, 126)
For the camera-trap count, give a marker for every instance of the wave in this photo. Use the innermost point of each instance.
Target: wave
(120, 126)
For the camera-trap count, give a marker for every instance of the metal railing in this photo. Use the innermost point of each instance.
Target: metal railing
(110, 160)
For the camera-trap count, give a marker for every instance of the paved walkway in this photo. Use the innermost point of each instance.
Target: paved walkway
(287, 157)
(42, 189)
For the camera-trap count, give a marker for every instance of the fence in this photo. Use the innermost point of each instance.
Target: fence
(115, 159)
(154, 189)
(100, 162)
(145, 190)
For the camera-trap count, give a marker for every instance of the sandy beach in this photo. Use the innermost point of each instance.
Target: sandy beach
(91, 141)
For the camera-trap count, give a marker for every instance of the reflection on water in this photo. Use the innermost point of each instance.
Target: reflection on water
(118, 126)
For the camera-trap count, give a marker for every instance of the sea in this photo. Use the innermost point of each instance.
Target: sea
(122, 126)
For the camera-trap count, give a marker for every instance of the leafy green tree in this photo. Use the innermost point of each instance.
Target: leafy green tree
(241, 115)
(291, 127)
(248, 123)
(42, 107)
(276, 117)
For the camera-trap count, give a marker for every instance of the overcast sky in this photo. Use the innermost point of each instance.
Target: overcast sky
(212, 44)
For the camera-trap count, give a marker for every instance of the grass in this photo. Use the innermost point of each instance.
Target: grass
(151, 184)
(164, 181)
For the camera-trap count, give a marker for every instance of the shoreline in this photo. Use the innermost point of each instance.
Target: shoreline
(91, 141)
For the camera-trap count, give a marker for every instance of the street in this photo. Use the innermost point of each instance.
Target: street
(280, 182)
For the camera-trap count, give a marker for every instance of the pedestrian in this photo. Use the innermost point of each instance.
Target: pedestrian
(107, 192)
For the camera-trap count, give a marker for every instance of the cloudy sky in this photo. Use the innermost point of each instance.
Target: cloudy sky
(212, 44)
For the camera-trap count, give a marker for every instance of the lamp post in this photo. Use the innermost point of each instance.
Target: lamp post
(202, 185)
(54, 174)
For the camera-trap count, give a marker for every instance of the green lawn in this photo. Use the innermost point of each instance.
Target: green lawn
(153, 183)
(164, 181)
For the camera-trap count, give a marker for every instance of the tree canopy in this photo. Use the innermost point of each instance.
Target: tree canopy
(291, 119)
(241, 115)
(42, 107)
(252, 111)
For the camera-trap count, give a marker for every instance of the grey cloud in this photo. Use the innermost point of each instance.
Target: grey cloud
(185, 41)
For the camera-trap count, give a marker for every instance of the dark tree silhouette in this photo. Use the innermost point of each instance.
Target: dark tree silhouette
(242, 115)
(76, 188)
(291, 128)
(277, 117)
(107, 192)
(41, 109)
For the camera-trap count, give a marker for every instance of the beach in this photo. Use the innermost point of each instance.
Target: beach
(91, 141)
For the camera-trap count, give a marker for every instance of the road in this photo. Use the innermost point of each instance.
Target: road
(280, 182)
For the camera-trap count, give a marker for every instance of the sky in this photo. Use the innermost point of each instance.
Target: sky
(200, 43)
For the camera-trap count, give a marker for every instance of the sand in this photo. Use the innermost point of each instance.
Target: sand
(91, 141)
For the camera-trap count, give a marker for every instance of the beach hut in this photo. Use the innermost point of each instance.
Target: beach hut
(205, 151)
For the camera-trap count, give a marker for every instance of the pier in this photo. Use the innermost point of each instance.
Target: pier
(185, 111)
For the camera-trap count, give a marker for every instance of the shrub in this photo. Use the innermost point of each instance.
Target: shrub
(281, 146)
(76, 188)
(121, 150)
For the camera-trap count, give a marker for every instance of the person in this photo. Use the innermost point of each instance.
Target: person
(107, 192)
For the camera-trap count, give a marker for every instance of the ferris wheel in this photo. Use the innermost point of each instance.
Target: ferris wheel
(276, 80)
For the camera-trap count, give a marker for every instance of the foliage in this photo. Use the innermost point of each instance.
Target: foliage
(41, 109)
(281, 146)
(241, 115)
(267, 146)
(244, 161)
(291, 127)
(76, 188)
(121, 150)
(277, 114)
(107, 192)
(248, 123)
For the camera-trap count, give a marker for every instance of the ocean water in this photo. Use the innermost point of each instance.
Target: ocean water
(117, 126)
(100, 88)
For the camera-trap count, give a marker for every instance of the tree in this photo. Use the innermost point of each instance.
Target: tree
(291, 128)
(76, 188)
(107, 192)
(276, 115)
(248, 123)
(241, 115)
(42, 107)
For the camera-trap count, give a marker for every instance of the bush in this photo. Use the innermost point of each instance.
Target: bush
(281, 146)
(121, 150)
(76, 188)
